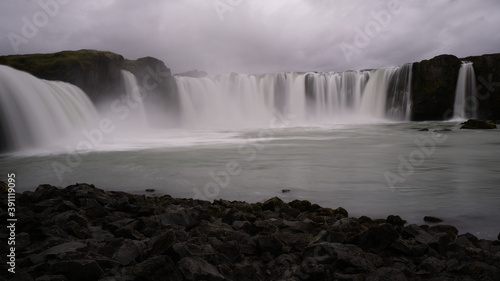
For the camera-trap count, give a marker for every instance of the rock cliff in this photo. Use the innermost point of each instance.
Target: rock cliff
(433, 88)
(95, 72)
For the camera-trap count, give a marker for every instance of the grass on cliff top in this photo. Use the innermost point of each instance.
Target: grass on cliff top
(52, 64)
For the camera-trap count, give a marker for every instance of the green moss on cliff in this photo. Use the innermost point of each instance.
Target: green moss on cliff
(96, 72)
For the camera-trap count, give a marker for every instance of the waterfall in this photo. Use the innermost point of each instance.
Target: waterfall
(330, 97)
(133, 93)
(36, 112)
(399, 93)
(465, 106)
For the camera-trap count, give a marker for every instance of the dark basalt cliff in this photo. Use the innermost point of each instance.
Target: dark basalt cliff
(156, 81)
(487, 70)
(434, 82)
(433, 88)
(95, 72)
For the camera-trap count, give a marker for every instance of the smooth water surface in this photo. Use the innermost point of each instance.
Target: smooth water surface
(452, 175)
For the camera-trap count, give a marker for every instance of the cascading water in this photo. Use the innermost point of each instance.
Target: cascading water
(36, 112)
(399, 93)
(465, 94)
(133, 92)
(351, 96)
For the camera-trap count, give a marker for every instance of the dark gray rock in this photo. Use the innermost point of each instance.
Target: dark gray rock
(78, 270)
(186, 249)
(279, 243)
(433, 265)
(196, 268)
(23, 240)
(156, 268)
(21, 275)
(377, 237)
(478, 125)
(181, 216)
(272, 204)
(161, 243)
(329, 236)
(247, 272)
(271, 244)
(129, 252)
(69, 247)
(395, 220)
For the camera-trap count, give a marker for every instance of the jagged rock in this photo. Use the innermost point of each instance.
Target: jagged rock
(64, 248)
(395, 220)
(183, 217)
(247, 272)
(156, 268)
(21, 275)
(376, 237)
(129, 251)
(162, 242)
(329, 236)
(449, 229)
(478, 124)
(23, 240)
(272, 204)
(78, 270)
(258, 245)
(301, 205)
(433, 265)
(387, 273)
(186, 249)
(271, 244)
(196, 268)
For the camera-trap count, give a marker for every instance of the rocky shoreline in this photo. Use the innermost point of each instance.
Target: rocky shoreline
(84, 233)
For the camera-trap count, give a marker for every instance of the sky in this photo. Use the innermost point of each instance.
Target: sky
(255, 36)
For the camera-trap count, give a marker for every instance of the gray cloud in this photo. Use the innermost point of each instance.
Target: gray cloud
(259, 36)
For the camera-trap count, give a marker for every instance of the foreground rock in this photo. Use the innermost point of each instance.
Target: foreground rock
(84, 233)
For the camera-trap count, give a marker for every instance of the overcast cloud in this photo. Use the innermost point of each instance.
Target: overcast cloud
(256, 36)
